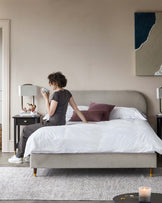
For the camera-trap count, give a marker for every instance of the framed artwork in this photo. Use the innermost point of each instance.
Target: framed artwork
(148, 43)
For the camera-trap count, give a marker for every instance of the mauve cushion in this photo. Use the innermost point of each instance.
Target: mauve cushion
(89, 115)
(101, 107)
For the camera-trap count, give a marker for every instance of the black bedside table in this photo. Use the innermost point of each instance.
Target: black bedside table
(22, 120)
(159, 125)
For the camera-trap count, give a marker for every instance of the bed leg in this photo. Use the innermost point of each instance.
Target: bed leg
(151, 172)
(35, 172)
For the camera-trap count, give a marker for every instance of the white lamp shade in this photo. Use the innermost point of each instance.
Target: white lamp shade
(159, 93)
(27, 90)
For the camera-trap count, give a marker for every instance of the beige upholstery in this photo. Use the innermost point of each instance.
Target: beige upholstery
(111, 160)
(124, 98)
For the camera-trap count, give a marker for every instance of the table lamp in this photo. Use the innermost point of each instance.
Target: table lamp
(159, 96)
(27, 90)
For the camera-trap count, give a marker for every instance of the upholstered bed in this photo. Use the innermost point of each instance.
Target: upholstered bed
(100, 160)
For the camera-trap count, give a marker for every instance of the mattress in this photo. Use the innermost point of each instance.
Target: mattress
(114, 136)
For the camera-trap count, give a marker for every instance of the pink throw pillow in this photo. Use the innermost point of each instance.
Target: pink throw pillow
(101, 107)
(89, 115)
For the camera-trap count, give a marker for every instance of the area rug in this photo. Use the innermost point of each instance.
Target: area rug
(18, 183)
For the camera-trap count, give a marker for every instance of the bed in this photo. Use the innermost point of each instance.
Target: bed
(104, 159)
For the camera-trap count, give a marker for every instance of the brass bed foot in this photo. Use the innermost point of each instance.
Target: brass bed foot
(35, 172)
(151, 172)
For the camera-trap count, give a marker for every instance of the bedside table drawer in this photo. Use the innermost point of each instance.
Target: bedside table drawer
(25, 121)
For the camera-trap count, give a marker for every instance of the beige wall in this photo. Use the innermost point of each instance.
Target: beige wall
(90, 41)
(0, 75)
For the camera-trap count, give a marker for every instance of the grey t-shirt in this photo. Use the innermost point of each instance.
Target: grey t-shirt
(62, 97)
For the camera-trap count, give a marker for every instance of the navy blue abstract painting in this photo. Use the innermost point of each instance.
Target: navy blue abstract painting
(143, 25)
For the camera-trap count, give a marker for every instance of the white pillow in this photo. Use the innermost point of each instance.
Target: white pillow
(69, 112)
(126, 113)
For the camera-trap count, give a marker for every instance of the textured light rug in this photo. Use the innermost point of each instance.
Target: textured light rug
(18, 183)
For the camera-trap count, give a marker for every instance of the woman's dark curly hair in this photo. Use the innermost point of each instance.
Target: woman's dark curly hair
(58, 78)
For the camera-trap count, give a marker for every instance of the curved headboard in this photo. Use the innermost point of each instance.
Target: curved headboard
(126, 98)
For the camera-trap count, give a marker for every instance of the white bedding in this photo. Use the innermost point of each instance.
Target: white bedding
(125, 136)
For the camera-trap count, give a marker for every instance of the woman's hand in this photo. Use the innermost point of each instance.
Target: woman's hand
(78, 112)
(45, 95)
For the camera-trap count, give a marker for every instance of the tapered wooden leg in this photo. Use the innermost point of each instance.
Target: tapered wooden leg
(35, 172)
(151, 172)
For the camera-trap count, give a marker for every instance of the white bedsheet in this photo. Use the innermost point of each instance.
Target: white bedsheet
(126, 136)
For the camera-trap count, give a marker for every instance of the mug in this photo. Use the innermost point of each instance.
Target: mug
(45, 90)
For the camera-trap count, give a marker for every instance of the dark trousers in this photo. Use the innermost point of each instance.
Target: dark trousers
(27, 131)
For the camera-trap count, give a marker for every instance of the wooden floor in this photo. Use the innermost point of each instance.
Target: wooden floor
(4, 160)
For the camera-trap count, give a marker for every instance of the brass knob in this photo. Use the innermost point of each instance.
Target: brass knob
(25, 121)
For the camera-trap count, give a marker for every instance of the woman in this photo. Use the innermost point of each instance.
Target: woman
(56, 109)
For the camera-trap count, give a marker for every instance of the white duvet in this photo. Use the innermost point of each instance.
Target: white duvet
(132, 136)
